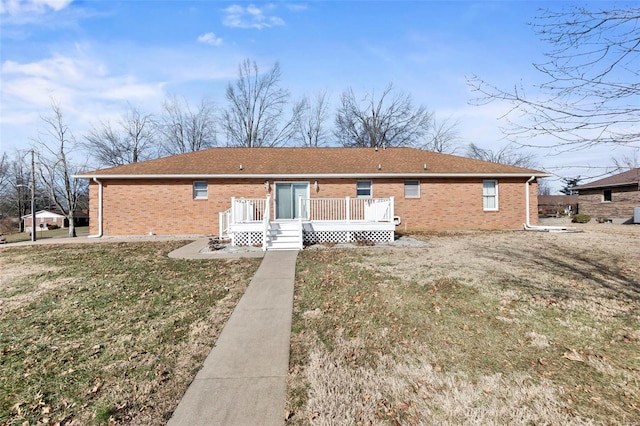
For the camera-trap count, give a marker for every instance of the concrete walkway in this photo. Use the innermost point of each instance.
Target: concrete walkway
(243, 380)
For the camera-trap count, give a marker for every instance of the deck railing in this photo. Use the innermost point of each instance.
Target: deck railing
(348, 209)
(257, 210)
(247, 210)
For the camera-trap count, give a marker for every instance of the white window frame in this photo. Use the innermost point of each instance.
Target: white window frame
(198, 192)
(412, 183)
(486, 196)
(370, 189)
(604, 196)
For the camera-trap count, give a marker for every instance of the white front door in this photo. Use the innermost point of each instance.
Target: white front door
(286, 199)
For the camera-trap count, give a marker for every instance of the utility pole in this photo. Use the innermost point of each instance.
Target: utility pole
(33, 196)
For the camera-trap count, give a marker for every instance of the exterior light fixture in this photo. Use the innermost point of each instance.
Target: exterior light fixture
(315, 186)
(425, 166)
(240, 166)
(266, 185)
(379, 166)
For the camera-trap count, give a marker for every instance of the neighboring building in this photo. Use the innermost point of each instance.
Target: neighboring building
(554, 205)
(611, 199)
(322, 194)
(44, 219)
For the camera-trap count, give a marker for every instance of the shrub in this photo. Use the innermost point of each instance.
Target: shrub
(53, 226)
(581, 218)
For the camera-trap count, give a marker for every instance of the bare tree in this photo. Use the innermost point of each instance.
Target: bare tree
(185, 129)
(4, 171)
(388, 121)
(311, 130)
(131, 141)
(443, 136)
(56, 168)
(627, 161)
(592, 92)
(505, 155)
(255, 116)
(14, 190)
(543, 187)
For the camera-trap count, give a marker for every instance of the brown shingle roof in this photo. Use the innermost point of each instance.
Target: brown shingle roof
(630, 177)
(310, 161)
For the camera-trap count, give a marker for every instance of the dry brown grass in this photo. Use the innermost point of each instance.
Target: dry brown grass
(108, 332)
(477, 328)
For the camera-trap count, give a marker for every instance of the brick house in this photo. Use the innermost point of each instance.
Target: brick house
(259, 195)
(611, 199)
(44, 219)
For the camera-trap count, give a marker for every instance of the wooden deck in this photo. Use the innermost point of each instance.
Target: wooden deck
(320, 220)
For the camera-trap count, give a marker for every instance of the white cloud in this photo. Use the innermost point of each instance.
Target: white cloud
(17, 7)
(210, 38)
(81, 84)
(250, 17)
(296, 7)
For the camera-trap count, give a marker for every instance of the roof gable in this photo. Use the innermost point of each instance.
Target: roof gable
(236, 162)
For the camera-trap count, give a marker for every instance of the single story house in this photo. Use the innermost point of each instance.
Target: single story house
(284, 197)
(612, 198)
(44, 219)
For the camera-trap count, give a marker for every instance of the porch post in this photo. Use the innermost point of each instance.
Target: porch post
(347, 208)
(391, 216)
(220, 224)
(233, 210)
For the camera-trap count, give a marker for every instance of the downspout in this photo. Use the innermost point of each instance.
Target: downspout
(527, 225)
(99, 234)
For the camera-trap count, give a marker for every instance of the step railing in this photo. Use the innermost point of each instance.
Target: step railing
(266, 225)
(224, 220)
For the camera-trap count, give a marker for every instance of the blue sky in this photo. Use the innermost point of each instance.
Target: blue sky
(97, 57)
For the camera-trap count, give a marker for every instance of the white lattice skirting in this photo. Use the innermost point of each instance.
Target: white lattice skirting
(246, 238)
(318, 237)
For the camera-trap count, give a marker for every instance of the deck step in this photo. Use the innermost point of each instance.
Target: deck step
(284, 236)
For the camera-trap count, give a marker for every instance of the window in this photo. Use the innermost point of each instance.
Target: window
(200, 190)
(363, 189)
(411, 189)
(490, 195)
(606, 196)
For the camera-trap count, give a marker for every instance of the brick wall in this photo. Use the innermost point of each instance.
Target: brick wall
(623, 200)
(166, 206)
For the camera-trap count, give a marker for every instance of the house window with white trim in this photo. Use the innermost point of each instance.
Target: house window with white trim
(490, 195)
(607, 197)
(411, 189)
(363, 189)
(200, 190)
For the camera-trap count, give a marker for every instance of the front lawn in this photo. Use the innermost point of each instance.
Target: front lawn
(107, 332)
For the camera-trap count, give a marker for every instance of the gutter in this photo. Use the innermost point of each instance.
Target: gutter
(528, 226)
(99, 234)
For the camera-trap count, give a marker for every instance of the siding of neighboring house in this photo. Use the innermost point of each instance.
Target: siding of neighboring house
(620, 208)
(47, 221)
(166, 206)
